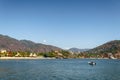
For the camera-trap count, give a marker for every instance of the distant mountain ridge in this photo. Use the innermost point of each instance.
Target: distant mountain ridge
(77, 50)
(12, 44)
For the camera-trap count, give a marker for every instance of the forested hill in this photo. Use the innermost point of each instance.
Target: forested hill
(109, 47)
(12, 44)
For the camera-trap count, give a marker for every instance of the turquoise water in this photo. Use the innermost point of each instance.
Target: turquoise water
(66, 69)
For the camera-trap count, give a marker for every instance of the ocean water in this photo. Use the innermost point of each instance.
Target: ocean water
(55, 69)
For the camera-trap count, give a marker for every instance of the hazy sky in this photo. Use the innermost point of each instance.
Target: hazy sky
(63, 23)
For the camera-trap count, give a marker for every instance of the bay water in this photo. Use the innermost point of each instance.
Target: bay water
(60, 69)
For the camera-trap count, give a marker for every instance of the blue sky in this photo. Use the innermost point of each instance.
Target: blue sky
(62, 23)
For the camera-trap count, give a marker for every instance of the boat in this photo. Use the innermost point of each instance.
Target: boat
(91, 63)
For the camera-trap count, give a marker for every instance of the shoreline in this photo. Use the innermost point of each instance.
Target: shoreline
(15, 58)
(10, 58)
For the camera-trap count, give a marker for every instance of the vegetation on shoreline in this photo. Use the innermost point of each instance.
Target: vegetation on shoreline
(52, 54)
(56, 54)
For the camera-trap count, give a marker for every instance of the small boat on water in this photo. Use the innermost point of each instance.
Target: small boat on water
(91, 63)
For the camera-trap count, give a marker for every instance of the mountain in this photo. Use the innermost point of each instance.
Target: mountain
(12, 44)
(77, 50)
(109, 47)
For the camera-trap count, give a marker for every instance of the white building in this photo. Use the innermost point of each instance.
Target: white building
(3, 51)
(33, 55)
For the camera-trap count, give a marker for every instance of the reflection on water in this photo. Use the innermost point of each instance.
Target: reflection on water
(68, 69)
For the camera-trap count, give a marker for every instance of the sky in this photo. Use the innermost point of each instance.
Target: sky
(62, 23)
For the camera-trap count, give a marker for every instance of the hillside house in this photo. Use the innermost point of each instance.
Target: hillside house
(3, 51)
(33, 55)
(18, 54)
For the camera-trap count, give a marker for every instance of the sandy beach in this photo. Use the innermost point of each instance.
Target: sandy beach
(10, 58)
(6, 58)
